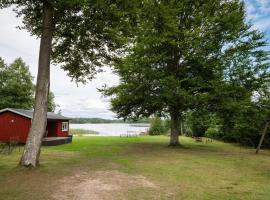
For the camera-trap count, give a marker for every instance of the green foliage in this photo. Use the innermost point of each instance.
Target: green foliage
(212, 133)
(181, 59)
(157, 126)
(51, 104)
(16, 87)
(197, 122)
(241, 100)
(87, 34)
(248, 123)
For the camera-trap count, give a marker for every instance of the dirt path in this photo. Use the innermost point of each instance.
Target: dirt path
(100, 185)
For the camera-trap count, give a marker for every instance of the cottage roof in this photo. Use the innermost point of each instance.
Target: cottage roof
(29, 114)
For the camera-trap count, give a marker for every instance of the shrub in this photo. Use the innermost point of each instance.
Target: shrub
(157, 126)
(188, 132)
(212, 133)
(196, 123)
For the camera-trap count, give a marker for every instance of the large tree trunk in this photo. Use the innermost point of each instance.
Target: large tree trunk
(262, 137)
(30, 156)
(175, 129)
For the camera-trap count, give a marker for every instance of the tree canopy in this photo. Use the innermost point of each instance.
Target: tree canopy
(86, 34)
(51, 104)
(17, 88)
(181, 54)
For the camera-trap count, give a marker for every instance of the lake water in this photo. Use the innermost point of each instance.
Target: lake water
(112, 129)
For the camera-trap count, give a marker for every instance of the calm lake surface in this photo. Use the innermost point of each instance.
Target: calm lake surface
(112, 129)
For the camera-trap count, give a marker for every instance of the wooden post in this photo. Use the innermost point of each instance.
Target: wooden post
(262, 137)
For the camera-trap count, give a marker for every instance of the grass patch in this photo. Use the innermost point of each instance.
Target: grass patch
(197, 171)
(83, 132)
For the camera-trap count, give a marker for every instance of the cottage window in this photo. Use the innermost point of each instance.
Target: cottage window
(64, 126)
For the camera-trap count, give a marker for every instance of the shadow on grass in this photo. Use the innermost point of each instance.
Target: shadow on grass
(188, 147)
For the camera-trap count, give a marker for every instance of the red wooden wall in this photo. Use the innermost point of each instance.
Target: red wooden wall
(13, 125)
(55, 129)
(61, 133)
(16, 126)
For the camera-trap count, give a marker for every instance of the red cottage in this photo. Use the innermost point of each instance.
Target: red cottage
(15, 123)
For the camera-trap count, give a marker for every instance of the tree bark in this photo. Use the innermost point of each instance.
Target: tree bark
(175, 130)
(30, 156)
(262, 137)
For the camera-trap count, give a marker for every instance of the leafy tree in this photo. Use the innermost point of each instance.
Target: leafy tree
(212, 133)
(263, 103)
(51, 104)
(246, 73)
(181, 51)
(199, 121)
(78, 35)
(157, 126)
(16, 87)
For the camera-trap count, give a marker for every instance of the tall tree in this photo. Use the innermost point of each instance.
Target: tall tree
(16, 87)
(263, 105)
(177, 57)
(237, 97)
(80, 36)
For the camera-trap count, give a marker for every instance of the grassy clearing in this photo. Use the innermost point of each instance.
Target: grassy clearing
(82, 132)
(195, 171)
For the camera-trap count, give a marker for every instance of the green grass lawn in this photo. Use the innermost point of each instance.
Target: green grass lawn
(195, 171)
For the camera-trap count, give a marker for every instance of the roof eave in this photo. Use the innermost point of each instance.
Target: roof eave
(21, 114)
(14, 111)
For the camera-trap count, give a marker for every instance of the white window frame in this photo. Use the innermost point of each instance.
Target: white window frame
(65, 126)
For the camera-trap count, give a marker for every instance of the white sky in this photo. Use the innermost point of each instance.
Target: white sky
(84, 100)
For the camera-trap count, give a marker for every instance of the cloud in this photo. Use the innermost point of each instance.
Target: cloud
(264, 6)
(251, 11)
(262, 24)
(258, 11)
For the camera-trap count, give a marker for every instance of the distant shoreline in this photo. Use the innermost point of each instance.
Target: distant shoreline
(107, 121)
(130, 123)
(110, 129)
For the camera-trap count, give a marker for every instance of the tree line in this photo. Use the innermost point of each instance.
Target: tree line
(172, 57)
(100, 120)
(17, 89)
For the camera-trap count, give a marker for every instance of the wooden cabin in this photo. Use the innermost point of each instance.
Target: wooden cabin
(16, 123)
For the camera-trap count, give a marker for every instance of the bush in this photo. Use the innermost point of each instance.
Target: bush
(188, 132)
(212, 133)
(157, 126)
(196, 123)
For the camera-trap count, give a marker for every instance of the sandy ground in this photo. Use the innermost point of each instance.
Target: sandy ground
(100, 185)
